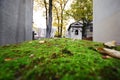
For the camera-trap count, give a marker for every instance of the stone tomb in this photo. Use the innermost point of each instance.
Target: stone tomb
(15, 21)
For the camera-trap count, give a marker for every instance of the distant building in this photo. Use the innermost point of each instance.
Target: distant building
(89, 30)
(75, 30)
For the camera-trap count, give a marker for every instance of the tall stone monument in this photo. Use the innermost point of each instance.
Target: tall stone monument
(15, 21)
(106, 20)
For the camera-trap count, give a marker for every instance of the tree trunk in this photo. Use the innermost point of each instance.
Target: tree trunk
(61, 24)
(46, 14)
(58, 27)
(84, 29)
(62, 9)
(58, 19)
(49, 27)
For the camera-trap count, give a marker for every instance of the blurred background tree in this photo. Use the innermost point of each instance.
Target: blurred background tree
(58, 8)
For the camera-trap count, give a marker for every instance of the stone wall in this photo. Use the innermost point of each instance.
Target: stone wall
(15, 21)
(106, 20)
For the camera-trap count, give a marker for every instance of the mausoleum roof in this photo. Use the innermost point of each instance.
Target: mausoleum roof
(75, 25)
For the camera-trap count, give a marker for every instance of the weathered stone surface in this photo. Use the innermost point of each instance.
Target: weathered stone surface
(15, 21)
(106, 20)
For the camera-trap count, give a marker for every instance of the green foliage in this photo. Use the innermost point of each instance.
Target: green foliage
(56, 59)
(81, 9)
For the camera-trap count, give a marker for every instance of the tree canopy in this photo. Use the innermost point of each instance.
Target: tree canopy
(81, 9)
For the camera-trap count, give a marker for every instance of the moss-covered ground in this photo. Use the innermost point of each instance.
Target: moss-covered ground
(56, 59)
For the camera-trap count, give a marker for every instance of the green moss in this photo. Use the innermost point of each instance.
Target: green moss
(56, 59)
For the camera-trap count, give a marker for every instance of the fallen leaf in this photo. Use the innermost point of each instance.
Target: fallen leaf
(32, 55)
(7, 59)
(106, 57)
(110, 52)
(101, 50)
(30, 42)
(110, 44)
(41, 42)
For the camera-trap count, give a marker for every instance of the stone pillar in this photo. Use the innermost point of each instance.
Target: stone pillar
(15, 21)
(106, 22)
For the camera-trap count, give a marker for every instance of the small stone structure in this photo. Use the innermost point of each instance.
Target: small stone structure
(89, 30)
(75, 31)
(15, 21)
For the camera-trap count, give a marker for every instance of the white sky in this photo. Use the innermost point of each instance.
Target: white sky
(39, 19)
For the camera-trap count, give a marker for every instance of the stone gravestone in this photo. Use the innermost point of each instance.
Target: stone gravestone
(15, 21)
(106, 23)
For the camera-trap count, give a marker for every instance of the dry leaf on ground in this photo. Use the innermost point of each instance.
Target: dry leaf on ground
(110, 44)
(110, 52)
(8, 59)
(41, 42)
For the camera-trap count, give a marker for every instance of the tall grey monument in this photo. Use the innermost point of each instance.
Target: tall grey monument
(106, 23)
(15, 21)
